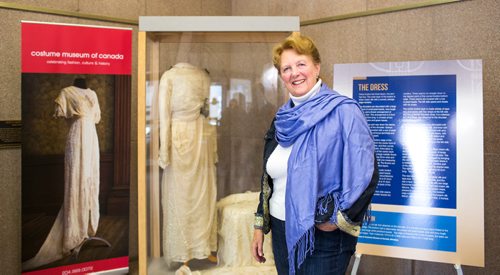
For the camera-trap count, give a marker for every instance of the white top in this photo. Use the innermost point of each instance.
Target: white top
(297, 100)
(276, 167)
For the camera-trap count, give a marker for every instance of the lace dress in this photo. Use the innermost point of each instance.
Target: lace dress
(78, 217)
(188, 157)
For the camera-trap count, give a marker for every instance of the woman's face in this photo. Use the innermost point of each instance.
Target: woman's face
(298, 72)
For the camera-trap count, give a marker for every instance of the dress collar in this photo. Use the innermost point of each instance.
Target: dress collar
(297, 100)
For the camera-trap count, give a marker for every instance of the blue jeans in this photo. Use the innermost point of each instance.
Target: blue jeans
(331, 255)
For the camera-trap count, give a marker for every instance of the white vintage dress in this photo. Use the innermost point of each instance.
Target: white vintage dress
(78, 217)
(188, 156)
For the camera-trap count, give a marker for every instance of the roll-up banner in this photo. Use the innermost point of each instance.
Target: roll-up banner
(75, 94)
(427, 121)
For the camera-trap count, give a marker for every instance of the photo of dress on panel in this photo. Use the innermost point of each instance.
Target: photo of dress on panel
(187, 155)
(78, 218)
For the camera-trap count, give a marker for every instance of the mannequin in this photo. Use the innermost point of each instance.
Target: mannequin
(80, 83)
(78, 217)
(187, 155)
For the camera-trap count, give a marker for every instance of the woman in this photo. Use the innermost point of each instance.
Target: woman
(320, 170)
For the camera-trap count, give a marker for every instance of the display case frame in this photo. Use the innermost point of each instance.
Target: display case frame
(153, 31)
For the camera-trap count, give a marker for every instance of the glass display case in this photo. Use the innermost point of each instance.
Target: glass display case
(207, 94)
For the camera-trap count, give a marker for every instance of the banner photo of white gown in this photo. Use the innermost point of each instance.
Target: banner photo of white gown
(427, 121)
(75, 157)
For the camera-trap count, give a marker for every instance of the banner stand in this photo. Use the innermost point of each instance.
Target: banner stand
(458, 268)
(357, 259)
(424, 116)
(355, 267)
(80, 74)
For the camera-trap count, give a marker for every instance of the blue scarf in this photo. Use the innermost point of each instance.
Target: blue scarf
(324, 160)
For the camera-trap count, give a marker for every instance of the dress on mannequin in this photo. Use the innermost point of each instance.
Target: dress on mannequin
(78, 217)
(187, 154)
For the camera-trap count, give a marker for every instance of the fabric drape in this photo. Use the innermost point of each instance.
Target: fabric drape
(332, 155)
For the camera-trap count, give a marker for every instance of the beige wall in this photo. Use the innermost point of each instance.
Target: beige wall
(10, 98)
(466, 30)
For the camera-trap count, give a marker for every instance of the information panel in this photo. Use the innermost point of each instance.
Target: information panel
(10, 134)
(426, 118)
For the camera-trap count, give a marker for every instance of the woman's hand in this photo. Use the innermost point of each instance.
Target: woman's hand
(257, 246)
(326, 226)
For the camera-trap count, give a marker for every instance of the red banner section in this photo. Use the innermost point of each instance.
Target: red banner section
(84, 268)
(54, 48)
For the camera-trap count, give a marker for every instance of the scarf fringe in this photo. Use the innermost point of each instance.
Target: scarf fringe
(304, 246)
(336, 207)
(323, 203)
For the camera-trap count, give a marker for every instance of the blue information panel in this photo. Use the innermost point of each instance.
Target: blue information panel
(411, 230)
(413, 120)
(426, 118)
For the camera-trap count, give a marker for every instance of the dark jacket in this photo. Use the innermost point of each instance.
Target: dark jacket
(349, 220)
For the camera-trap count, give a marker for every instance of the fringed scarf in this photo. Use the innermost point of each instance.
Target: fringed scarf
(306, 182)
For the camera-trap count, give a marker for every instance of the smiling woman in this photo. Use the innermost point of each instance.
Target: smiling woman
(298, 63)
(318, 181)
(298, 72)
